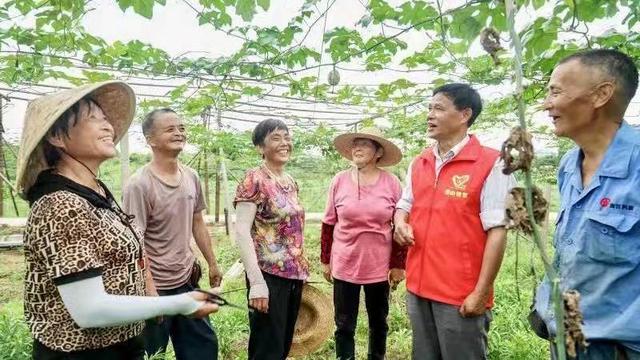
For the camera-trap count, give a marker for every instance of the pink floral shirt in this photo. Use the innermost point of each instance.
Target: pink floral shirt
(277, 230)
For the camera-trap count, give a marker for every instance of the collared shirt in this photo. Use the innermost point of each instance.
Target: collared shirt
(494, 191)
(597, 242)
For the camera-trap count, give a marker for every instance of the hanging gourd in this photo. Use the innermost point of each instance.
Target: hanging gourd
(333, 78)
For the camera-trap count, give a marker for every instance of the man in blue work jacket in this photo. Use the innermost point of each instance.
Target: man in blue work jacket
(597, 237)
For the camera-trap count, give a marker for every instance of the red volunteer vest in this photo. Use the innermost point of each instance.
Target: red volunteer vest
(444, 263)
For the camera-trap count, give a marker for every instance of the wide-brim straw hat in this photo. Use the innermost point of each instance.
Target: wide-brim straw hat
(116, 99)
(315, 322)
(392, 154)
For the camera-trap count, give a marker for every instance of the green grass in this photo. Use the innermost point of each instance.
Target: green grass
(509, 337)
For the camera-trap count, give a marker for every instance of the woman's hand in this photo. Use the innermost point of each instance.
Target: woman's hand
(403, 234)
(259, 297)
(206, 308)
(395, 277)
(326, 272)
(260, 304)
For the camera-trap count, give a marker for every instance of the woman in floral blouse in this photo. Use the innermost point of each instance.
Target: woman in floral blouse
(269, 230)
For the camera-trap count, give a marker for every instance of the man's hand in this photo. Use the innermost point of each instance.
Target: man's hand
(260, 304)
(326, 272)
(475, 304)
(215, 276)
(403, 234)
(395, 277)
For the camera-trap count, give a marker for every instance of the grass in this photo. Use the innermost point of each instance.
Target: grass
(509, 337)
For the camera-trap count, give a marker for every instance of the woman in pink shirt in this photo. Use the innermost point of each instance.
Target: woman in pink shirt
(357, 246)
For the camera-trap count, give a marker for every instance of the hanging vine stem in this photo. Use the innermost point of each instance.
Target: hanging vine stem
(552, 274)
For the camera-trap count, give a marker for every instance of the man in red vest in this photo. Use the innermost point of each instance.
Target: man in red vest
(452, 215)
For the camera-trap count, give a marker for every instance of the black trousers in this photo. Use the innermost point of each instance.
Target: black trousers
(271, 334)
(192, 339)
(132, 349)
(346, 299)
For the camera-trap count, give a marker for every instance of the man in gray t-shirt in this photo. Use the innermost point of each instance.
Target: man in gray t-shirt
(167, 201)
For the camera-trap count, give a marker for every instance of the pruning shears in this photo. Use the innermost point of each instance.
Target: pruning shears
(219, 300)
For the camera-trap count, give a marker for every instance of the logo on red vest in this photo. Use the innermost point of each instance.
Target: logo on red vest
(459, 183)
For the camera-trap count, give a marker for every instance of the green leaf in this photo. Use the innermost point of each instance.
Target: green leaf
(144, 7)
(418, 14)
(125, 4)
(204, 19)
(498, 20)
(537, 4)
(246, 9)
(96, 76)
(264, 4)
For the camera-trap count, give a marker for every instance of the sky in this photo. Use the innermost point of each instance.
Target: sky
(174, 28)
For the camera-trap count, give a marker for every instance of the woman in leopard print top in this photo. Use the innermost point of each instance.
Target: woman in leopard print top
(85, 280)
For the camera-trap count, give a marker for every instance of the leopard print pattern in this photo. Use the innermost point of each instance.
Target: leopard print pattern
(66, 235)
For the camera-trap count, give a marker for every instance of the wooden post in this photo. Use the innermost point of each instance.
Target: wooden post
(225, 194)
(205, 159)
(2, 162)
(4, 168)
(207, 198)
(217, 194)
(545, 225)
(124, 160)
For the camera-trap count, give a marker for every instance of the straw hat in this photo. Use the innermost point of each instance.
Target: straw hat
(315, 322)
(114, 97)
(392, 154)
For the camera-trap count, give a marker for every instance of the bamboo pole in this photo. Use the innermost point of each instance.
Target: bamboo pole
(551, 272)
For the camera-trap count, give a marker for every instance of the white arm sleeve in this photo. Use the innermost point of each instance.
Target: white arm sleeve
(245, 215)
(90, 306)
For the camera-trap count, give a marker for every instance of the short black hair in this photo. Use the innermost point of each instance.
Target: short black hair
(463, 96)
(613, 63)
(61, 126)
(266, 127)
(150, 118)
